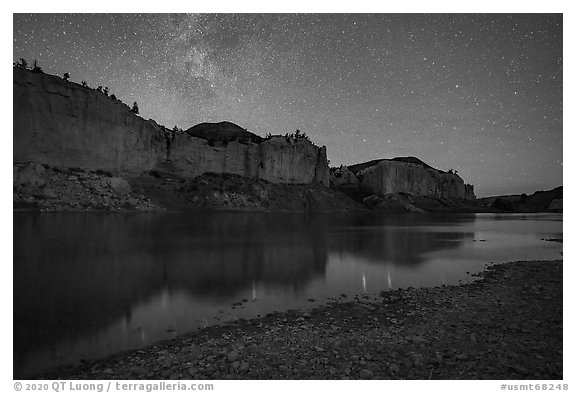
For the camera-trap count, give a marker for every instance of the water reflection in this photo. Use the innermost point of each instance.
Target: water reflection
(87, 285)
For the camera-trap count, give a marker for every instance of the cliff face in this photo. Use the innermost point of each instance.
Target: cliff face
(404, 176)
(276, 160)
(63, 124)
(391, 177)
(293, 161)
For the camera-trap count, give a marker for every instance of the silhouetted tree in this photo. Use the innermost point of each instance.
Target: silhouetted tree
(99, 88)
(135, 108)
(66, 76)
(22, 63)
(106, 90)
(84, 83)
(36, 67)
(113, 96)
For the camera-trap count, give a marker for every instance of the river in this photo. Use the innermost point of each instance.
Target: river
(90, 285)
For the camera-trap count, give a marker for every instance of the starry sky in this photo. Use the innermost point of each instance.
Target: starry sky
(479, 93)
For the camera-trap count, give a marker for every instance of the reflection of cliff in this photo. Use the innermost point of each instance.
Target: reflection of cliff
(72, 275)
(398, 239)
(237, 249)
(76, 274)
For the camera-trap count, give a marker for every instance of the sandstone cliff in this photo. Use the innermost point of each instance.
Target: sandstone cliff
(277, 160)
(402, 175)
(64, 124)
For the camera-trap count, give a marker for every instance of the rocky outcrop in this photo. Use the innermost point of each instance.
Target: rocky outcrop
(469, 192)
(39, 187)
(63, 124)
(277, 160)
(403, 175)
(234, 192)
(342, 176)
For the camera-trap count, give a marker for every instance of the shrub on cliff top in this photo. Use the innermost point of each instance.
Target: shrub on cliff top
(66, 76)
(36, 68)
(22, 63)
(297, 135)
(135, 108)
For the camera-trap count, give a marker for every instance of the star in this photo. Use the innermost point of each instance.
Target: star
(446, 88)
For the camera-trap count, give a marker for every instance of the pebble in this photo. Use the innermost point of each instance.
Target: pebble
(393, 369)
(419, 340)
(139, 371)
(232, 356)
(418, 361)
(366, 374)
(520, 370)
(244, 366)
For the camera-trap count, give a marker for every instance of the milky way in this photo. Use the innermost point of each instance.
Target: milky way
(481, 94)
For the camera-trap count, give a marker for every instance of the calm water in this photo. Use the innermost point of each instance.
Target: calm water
(89, 285)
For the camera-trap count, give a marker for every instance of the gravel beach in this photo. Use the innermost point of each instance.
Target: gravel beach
(505, 325)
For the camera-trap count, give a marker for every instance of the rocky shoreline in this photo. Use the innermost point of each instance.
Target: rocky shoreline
(508, 324)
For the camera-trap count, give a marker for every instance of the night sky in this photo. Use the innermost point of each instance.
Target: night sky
(481, 94)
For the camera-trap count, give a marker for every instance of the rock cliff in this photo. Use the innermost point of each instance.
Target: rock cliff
(67, 125)
(64, 124)
(402, 175)
(277, 160)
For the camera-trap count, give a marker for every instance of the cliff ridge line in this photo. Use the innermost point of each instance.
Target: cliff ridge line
(65, 124)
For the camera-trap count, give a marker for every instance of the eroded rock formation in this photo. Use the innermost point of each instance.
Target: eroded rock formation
(402, 175)
(67, 125)
(277, 160)
(64, 124)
